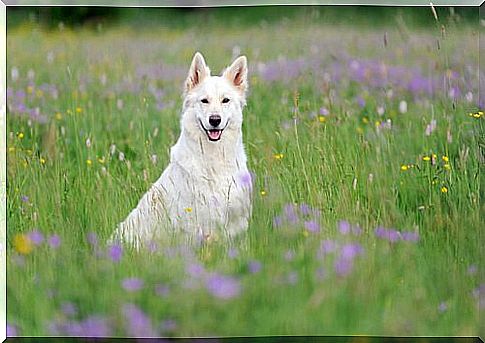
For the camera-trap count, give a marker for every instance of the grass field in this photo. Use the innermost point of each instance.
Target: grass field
(364, 143)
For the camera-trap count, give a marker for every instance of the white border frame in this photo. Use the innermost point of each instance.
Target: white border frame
(152, 3)
(3, 172)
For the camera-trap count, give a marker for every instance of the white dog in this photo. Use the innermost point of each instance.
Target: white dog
(206, 189)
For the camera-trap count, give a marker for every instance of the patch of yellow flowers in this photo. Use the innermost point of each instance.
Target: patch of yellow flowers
(476, 115)
(22, 244)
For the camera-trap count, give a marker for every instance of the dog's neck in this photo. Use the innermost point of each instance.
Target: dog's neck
(215, 157)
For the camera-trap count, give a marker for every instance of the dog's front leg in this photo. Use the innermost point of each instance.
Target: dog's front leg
(140, 225)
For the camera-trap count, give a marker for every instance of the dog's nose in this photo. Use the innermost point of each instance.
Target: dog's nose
(215, 120)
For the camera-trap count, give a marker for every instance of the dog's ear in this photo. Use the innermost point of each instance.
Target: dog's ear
(197, 73)
(237, 73)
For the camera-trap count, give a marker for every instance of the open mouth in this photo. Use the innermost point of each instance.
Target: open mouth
(213, 134)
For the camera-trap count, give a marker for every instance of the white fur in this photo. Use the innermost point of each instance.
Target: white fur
(205, 191)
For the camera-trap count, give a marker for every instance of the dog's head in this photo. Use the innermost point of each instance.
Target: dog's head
(215, 101)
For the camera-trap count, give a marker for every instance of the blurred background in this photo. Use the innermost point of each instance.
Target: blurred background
(99, 17)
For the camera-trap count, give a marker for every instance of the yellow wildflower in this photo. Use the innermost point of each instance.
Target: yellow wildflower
(20, 135)
(101, 160)
(278, 156)
(30, 89)
(447, 166)
(445, 158)
(58, 115)
(321, 119)
(188, 209)
(11, 149)
(42, 160)
(79, 109)
(22, 244)
(444, 189)
(404, 167)
(89, 162)
(263, 192)
(305, 233)
(365, 120)
(426, 158)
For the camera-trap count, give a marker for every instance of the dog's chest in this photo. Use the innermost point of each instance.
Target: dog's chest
(206, 199)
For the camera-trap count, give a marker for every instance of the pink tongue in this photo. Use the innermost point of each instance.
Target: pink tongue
(215, 134)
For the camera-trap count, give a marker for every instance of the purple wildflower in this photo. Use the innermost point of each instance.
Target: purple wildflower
(442, 307)
(430, 127)
(11, 330)
(153, 247)
(356, 230)
(96, 326)
(410, 236)
(323, 111)
(115, 252)
(138, 323)
(344, 227)
(24, 198)
(290, 213)
(343, 266)
(246, 180)
(327, 246)
(312, 226)
(68, 308)
(305, 209)
(289, 255)
(132, 284)
(92, 238)
(254, 266)
(233, 253)
(195, 270)
(360, 101)
(277, 221)
(36, 237)
(223, 287)
(168, 325)
(162, 290)
(351, 250)
(54, 241)
(390, 235)
(71, 328)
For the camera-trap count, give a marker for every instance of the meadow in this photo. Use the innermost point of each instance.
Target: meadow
(364, 146)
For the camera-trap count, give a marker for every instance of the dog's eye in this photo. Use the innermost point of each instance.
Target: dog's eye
(225, 100)
(205, 101)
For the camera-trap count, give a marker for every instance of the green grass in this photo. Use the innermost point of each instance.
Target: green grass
(344, 167)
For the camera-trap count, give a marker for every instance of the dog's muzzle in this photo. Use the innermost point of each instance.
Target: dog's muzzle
(213, 134)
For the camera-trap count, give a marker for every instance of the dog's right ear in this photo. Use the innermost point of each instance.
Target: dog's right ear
(197, 73)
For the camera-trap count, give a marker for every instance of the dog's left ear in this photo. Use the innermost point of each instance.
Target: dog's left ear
(237, 73)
